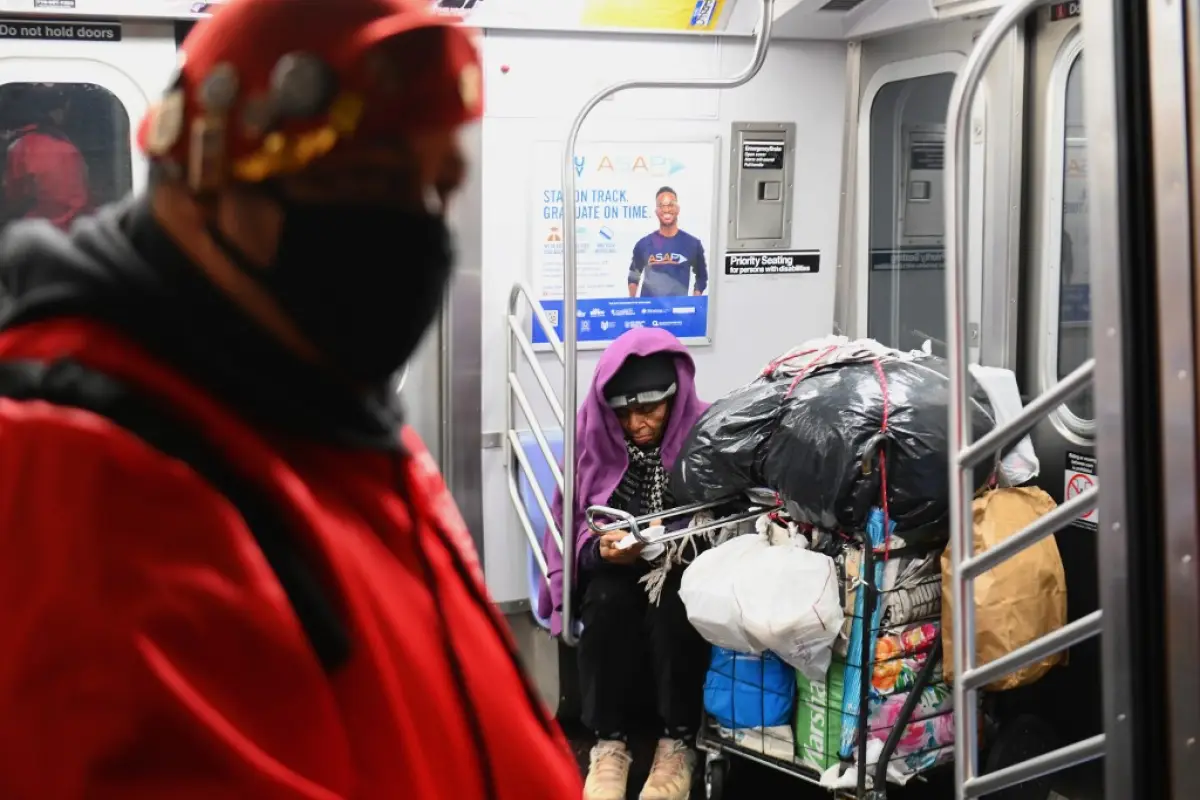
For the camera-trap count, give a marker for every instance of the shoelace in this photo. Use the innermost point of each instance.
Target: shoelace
(610, 762)
(669, 761)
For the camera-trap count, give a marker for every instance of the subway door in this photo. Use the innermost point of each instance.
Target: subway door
(89, 91)
(1056, 334)
(893, 287)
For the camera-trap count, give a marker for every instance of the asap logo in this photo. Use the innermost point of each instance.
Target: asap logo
(666, 259)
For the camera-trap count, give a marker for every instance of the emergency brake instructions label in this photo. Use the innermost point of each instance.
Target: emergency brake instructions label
(60, 31)
(760, 154)
(908, 258)
(1080, 475)
(927, 156)
(780, 262)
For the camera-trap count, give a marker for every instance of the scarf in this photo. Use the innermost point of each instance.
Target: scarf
(645, 490)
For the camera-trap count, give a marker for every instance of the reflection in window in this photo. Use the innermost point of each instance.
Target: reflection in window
(66, 151)
(1074, 298)
(906, 291)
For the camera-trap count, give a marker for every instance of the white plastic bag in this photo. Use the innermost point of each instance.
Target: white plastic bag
(707, 592)
(1021, 464)
(788, 599)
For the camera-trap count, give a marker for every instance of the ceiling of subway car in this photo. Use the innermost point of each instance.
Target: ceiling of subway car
(793, 19)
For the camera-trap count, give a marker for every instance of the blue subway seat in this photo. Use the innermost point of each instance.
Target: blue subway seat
(545, 479)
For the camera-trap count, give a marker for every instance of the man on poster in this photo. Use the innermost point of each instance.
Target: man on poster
(664, 261)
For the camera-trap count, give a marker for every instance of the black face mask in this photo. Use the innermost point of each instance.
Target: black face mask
(362, 282)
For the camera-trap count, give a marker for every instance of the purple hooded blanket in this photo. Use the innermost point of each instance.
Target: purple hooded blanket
(600, 455)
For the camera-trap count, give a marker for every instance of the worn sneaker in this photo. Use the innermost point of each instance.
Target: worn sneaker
(671, 774)
(608, 774)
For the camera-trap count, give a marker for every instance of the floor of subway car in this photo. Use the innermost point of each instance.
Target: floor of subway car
(750, 781)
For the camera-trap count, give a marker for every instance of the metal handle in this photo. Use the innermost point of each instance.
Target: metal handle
(627, 522)
(570, 334)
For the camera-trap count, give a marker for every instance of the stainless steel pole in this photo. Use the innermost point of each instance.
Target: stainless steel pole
(569, 324)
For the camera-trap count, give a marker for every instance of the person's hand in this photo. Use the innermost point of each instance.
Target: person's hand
(610, 553)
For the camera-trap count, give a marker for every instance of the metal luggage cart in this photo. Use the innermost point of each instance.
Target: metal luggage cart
(793, 761)
(820, 707)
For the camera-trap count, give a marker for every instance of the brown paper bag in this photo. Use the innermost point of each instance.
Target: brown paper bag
(1018, 601)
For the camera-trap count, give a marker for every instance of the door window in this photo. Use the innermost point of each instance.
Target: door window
(1065, 265)
(1070, 272)
(66, 151)
(906, 303)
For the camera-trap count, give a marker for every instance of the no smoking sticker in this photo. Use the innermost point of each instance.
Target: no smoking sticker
(1079, 476)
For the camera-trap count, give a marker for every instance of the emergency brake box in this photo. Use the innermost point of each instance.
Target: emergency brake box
(761, 165)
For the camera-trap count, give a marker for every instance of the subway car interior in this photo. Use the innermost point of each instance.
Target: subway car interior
(945, 176)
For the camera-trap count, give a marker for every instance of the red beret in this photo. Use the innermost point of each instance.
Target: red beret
(267, 86)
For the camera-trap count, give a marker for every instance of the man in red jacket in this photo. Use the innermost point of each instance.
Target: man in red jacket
(226, 569)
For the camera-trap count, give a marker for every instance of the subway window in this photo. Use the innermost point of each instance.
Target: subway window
(906, 295)
(66, 151)
(1074, 329)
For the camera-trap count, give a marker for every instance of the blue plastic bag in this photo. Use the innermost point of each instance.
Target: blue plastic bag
(745, 691)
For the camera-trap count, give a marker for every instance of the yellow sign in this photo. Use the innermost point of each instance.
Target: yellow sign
(674, 15)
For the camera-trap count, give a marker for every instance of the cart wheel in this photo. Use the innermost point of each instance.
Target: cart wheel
(1019, 740)
(716, 769)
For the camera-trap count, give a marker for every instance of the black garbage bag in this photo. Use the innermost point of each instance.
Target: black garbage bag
(809, 443)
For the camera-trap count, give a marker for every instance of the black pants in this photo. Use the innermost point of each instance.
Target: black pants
(628, 642)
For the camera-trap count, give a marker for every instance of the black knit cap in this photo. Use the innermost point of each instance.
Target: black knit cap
(642, 380)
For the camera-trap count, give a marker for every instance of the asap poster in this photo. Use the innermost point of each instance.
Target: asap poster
(644, 222)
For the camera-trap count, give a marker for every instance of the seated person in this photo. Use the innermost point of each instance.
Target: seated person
(631, 427)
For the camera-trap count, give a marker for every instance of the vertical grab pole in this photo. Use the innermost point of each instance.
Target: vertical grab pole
(962, 485)
(569, 324)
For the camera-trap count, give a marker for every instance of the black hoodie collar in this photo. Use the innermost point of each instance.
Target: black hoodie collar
(120, 268)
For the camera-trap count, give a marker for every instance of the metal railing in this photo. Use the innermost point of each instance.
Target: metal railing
(514, 451)
(566, 349)
(966, 565)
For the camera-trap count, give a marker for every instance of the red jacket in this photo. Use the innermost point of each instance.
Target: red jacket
(46, 174)
(147, 650)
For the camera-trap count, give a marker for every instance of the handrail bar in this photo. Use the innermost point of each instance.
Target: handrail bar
(957, 179)
(1055, 761)
(1003, 435)
(511, 443)
(1031, 534)
(517, 335)
(1065, 637)
(538, 495)
(570, 275)
(518, 392)
(521, 289)
(514, 493)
